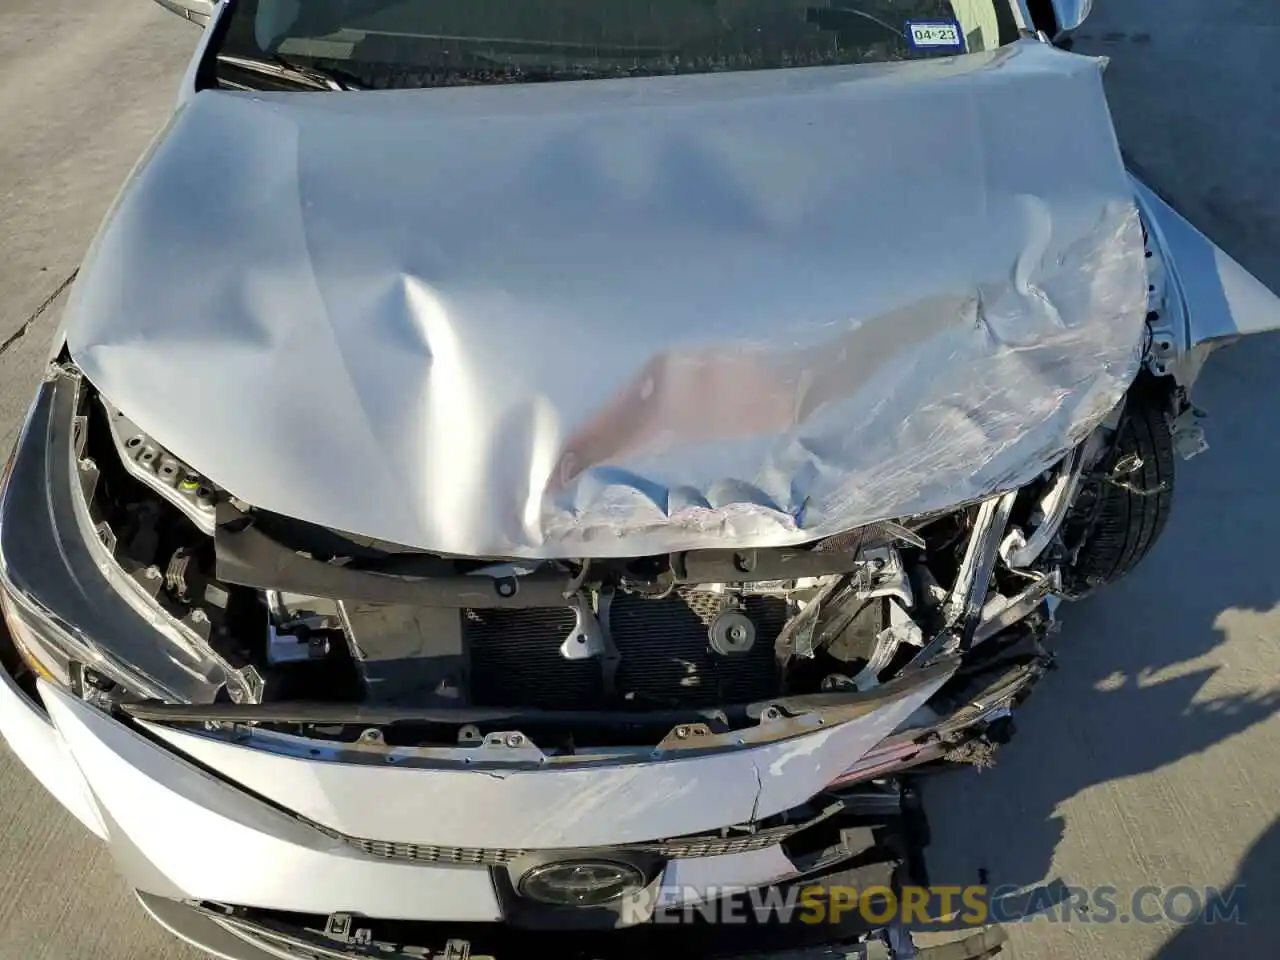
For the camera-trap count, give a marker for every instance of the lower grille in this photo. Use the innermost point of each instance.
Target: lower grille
(424, 853)
(683, 848)
(666, 658)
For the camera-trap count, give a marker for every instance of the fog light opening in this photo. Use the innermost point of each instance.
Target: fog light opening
(581, 883)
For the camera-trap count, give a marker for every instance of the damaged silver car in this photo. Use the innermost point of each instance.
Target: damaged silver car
(514, 469)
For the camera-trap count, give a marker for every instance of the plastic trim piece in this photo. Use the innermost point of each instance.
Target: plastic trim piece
(35, 742)
(181, 832)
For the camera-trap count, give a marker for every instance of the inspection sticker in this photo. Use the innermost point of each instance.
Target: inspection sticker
(935, 35)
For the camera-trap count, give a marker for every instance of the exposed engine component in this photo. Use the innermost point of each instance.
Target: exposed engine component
(665, 653)
(168, 476)
(298, 627)
(694, 630)
(408, 655)
(668, 659)
(732, 633)
(516, 659)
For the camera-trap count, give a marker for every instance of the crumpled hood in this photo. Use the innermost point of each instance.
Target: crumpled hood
(625, 317)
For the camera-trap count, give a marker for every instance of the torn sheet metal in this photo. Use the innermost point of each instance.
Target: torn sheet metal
(625, 317)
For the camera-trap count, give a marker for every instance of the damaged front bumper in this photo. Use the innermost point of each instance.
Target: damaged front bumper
(239, 935)
(198, 825)
(182, 833)
(195, 818)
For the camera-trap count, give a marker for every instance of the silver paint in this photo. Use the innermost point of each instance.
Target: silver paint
(626, 317)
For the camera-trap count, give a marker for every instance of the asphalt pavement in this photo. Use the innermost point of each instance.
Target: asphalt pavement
(1151, 757)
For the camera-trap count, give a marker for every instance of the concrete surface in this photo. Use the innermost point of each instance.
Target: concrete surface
(1153, 756)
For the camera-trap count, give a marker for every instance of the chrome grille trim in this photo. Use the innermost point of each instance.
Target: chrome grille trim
(685, 848)
(426, 853)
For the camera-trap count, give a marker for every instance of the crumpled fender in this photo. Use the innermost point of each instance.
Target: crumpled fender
(1220, 299)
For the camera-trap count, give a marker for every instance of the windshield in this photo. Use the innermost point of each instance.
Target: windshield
(266, 44)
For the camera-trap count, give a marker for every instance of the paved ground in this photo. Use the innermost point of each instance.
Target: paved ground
(1153, 756)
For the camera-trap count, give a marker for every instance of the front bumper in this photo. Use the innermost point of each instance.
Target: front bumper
(188, 842)
(179, 832)
(36, 742)
(237, 938)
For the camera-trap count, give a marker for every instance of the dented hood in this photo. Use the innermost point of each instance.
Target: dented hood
(624, 317)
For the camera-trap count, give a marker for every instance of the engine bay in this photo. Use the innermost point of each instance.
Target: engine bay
(302, 614)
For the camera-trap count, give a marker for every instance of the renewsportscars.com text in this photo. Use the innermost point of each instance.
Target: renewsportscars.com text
(966, 906)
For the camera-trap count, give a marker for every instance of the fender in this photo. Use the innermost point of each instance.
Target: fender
(1220, 300)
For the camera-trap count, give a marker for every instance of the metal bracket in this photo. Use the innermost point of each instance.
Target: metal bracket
(964, 605)
(171, 478)
(890, 579)
(1126, 467)
(289, 648)
(1019, 551)
(796, 638)
(586, 640)
(511, 745)
(685, 735)
(1003, 612)
(888, 642)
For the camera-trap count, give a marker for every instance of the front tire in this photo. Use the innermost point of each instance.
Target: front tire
(1124, 506)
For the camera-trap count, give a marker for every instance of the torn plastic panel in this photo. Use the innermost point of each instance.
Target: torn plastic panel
(230, 931)
(627, 318)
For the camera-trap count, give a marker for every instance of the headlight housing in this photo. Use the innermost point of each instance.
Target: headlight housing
(51, 652)
(67, 603)
(50, 661)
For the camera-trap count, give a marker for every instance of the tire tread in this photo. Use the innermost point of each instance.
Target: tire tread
(1129, 523)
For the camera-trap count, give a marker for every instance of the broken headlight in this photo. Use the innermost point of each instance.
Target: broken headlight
(49, 650)
(70, 606)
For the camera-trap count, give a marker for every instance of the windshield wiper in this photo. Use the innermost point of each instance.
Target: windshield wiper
(842, 18)
(286, 71)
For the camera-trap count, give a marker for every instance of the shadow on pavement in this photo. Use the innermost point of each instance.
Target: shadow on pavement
(1259, 879)
(1138, 686)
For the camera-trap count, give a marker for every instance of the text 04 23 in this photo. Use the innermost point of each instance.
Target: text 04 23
(935, 34)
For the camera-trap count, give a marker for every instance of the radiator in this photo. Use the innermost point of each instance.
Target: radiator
(666, 659)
